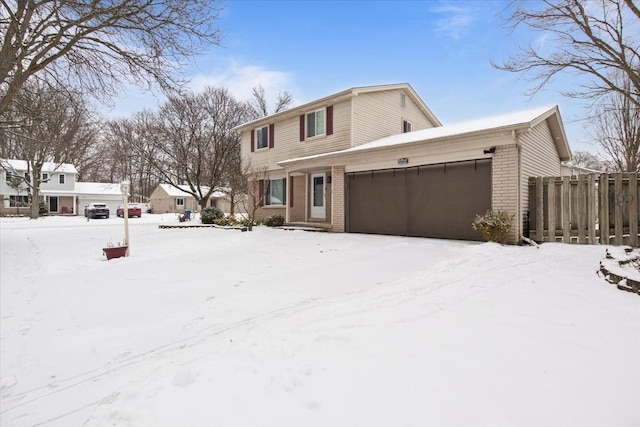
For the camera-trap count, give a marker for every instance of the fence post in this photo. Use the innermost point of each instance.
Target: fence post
(582, 209)
(633, 209)
(591, 207)
(539, 209)
(566, 209)
(551, 208)
(604, 209)
(618, 209)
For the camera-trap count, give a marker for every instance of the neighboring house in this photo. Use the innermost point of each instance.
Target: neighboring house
(569, 169)
(59, 190)
(169, 199)
(376, 160)
(56, 189)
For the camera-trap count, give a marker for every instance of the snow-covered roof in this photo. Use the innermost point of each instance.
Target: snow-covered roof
(505, 122)
(185, 190)
(105, 189)
(50, 167)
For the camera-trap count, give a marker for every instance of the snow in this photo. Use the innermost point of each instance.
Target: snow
(212, 327)
(22, 165)
(97, 188)
(185, 190)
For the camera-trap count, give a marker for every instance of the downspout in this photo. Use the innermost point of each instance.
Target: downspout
(519, 198)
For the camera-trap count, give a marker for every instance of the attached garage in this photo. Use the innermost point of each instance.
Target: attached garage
(438, 200)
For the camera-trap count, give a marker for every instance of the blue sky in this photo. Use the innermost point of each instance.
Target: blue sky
(316, 48)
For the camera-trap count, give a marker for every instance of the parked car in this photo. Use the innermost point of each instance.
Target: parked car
(96, 210)
(134, 210)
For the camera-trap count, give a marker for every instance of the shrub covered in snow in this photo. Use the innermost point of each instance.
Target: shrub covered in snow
(274, 221)
(493, 226)
(209, 215)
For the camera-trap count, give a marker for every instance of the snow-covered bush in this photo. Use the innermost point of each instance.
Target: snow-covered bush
(493, 226)
(208, 215)
(274, 221)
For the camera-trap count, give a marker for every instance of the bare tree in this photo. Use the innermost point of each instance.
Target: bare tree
(587, 160)
(129, 149)
(253, 176)
(195, 142)
(97, 46)
(59, 125)
(594, 39)
(617, 131)
(259, 105)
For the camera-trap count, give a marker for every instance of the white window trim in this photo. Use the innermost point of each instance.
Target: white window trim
(184, 201)
(266, 147)
(306, 124)
(62, 179)
(410, 126)
(45, 177)
(267, 185)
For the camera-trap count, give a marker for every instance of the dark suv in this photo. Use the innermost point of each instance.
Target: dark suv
(96, 210)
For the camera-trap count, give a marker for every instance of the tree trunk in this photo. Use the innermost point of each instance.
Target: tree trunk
(34, 211)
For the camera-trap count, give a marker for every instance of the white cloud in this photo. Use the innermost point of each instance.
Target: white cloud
(241, 79)
(455, 21)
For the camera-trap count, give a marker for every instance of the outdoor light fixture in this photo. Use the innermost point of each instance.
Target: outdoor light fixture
(490, 150)
(403, 161)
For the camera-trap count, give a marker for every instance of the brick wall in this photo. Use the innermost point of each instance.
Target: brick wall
(297, 212)
(505, 186)
(337, 199)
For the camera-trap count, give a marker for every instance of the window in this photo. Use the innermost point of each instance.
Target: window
(45, 177)
(18, 201)
(406, 126)
(262, 136)
(9, 176)
(27, 177)
(179, 202)
(315, 123)
(275, 192)
(61, 178)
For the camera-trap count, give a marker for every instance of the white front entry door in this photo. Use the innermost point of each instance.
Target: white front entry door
(317, 192)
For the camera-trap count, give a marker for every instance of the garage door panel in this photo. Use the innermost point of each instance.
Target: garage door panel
(429, 201)
(375, 204)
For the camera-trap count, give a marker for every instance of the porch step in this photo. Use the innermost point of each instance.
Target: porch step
(307, 226)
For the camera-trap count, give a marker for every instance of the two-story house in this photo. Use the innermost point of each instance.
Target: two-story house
(377, 160)
(59, 189)
(58, 183)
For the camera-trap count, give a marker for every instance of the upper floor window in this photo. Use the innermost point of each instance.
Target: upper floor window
(27, 177)
(61, 178)
(406, 126)
(315, 123)
(45, 177)
(9, 177)
(262, 137)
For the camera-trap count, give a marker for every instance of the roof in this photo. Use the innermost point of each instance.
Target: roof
(185, 190)
(348, 93)
(106, 189)
(50, 167)
(522, 120)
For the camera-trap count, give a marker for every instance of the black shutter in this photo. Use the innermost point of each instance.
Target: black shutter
(253, 141)
(302, 118)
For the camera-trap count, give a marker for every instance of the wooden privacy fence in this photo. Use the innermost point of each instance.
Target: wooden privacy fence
(585, 209)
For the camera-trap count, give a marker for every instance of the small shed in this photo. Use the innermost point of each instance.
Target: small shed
(167, 198)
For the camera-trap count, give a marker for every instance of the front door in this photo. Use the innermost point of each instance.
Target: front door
(317, 192)
(53, 203)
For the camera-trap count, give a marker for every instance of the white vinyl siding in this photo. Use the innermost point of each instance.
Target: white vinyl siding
(539, 158)
(377, 114)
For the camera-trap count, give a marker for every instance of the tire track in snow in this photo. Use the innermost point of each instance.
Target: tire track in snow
(389, 298)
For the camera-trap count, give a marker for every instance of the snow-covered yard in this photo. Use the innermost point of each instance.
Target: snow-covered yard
(210, 327)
